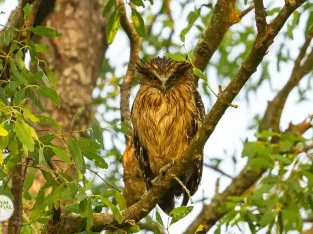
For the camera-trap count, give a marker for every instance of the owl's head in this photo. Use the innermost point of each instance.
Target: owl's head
(164, 73)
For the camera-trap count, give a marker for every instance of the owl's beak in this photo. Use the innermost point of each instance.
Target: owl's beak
(164, 86)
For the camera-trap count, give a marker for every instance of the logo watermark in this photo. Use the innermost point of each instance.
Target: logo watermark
(6, 208)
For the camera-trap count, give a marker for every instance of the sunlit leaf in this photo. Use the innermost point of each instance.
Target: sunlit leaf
(108, 7)
(138, 23)
(112, 26)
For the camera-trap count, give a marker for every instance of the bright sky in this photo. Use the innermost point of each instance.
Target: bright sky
(232, 129)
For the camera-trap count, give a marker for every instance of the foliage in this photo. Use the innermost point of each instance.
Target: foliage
(279, 201)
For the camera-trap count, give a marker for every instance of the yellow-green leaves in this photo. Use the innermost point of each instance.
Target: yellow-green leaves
(25, 134)
(3, 131)
(176, 57)
(138, 23)
(113, 24)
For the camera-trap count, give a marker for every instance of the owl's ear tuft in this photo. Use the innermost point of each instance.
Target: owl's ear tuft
(183, 67)
(142, 68)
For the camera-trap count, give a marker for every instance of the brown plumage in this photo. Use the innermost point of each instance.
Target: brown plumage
(166, 114)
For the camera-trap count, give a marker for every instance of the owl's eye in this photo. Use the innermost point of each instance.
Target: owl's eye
(152, 77)
(173, 77)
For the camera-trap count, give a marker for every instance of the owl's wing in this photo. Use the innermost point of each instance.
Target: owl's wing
(141, 155)
(196, 170)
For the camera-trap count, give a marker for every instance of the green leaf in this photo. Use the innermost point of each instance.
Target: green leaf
(267, 218)
(17, 74)
(38, 48)
(282, 159)
(285, 146)
(19, 97)
(267, 133)
(30, 93)
(76, 155)
(95, 157)
(50, 74)
(3, 131)
(252, 148)
(176, 57)
(113, 208)
(28, 115)
(199, 73)
(192, 17)
(180, 212)
(96, 134)
(62, 154)
(199, 229)
(120, 200)
(38, 207)
(29, 179)
(112, 26)
(138, 2)
(27, 10)
(49, 93)
(159, 218)
(57, 195)
(108, 7)
(46, 120)
(24, 134)
(138, 23)
(41, 158)
(259, 163)
(46, 32)
(124, 128)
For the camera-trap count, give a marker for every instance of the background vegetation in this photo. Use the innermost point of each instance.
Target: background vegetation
(66, 79)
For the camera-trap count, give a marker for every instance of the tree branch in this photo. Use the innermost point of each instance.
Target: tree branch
(224, 16)
(275, 108)
(215, 168)
(260, 17)
(133, 58)
(248, 176)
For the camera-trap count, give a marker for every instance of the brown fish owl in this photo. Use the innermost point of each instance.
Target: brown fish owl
(166, 115)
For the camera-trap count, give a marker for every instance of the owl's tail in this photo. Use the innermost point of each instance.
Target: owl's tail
(167, 203)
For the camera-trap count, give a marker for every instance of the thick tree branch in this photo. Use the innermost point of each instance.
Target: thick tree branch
(247, 177)
(260, 17)
(224, 16)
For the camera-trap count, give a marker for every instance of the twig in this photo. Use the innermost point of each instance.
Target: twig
(133, 58)
(215, 168)
(260, 17)
(106, 182)
(246, 11)
(184, 187)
